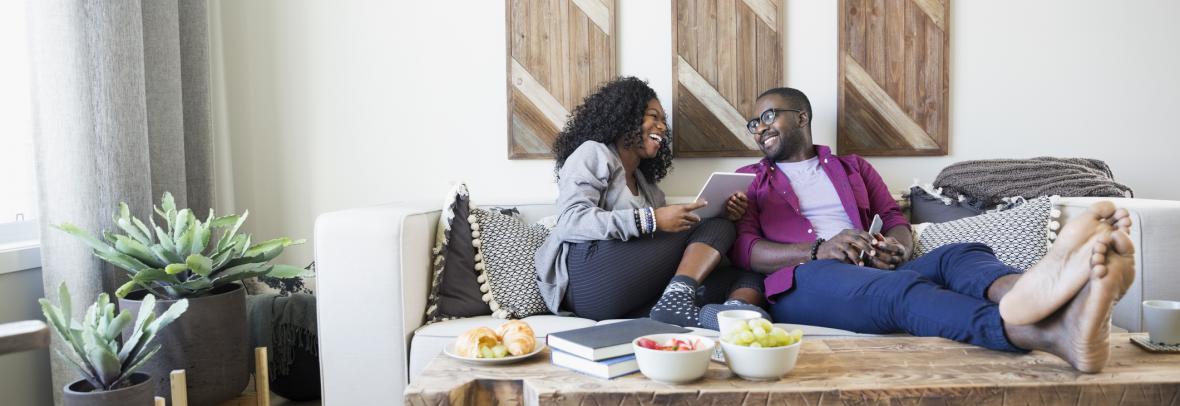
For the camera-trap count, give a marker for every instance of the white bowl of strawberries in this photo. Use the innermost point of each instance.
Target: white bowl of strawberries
(673, 358)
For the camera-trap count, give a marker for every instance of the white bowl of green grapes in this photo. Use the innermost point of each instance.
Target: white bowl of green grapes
(759, 351)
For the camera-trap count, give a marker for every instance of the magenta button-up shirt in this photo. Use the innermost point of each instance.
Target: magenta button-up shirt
(774, 213)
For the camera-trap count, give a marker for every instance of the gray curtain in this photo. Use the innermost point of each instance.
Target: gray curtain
(121, 113)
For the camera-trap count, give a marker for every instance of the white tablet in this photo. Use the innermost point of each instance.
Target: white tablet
(718, 189)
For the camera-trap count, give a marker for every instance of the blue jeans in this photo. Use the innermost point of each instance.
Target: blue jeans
(942, 293)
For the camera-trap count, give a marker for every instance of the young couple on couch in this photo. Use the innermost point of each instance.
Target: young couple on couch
(799, 245)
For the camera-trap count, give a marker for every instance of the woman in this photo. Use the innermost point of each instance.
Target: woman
(617, 244)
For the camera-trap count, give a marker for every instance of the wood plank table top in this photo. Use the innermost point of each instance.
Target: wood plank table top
(890, 370)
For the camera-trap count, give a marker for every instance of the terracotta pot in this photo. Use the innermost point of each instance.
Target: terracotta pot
(81, 393)
(210, 341)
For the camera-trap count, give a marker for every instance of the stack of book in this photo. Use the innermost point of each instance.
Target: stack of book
(604, 350)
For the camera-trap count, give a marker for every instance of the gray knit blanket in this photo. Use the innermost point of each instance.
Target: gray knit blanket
(989, 181)
(282, 324)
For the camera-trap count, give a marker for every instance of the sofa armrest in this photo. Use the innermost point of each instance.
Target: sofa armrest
(372, 278)
(1156, 234)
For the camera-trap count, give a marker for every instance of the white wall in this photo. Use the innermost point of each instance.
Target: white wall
(329, 105)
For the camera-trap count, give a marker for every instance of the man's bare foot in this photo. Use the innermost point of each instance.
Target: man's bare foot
(1059, 276)
(1080, 332)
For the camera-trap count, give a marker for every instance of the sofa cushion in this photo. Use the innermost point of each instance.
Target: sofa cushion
(542, 325)
(927, 207)
(506, 247)
(454, 291)
(430, 339)
(1020, 236)
(808, 331)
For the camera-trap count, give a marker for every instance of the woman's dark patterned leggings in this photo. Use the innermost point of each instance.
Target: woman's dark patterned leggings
(612, 279)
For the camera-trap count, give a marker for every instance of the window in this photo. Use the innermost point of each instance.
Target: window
(18, 181)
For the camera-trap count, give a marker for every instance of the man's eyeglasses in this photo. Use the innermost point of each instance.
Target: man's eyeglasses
(767, 118)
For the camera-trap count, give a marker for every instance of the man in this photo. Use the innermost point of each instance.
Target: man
(805, 228)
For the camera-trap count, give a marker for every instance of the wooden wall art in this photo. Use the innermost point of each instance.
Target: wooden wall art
(894, 82)
(725, 52)
(559, 51)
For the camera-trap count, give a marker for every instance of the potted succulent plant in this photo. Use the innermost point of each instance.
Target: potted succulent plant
(185, 257)
(108, 364)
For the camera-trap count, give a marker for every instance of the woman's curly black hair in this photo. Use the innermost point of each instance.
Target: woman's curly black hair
(615, 111)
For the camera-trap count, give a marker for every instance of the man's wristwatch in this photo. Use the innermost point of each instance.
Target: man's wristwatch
(815, 248)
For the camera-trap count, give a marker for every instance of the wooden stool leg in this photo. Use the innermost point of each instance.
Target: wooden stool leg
(179, 388)
(261, 377)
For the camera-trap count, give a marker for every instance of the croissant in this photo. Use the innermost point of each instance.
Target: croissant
(467, 345)
(517, 336)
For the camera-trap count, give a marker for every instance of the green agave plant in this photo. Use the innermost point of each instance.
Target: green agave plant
(181, 259)
(103, 361)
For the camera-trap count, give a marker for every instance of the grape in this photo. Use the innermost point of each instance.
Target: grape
(485, 352)
(778, 332)
(745, 338)
(500, 351)
(760, 324)
(780, 336)
(760, 333)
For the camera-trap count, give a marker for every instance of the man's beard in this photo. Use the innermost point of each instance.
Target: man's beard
(788, 144)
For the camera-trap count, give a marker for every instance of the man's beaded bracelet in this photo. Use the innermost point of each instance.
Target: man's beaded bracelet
(815, 248)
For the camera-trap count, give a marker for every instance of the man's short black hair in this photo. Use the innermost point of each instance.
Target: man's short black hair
(793, 96)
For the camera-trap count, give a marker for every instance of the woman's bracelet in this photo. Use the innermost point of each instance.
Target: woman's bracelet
(651, 220)
(639, 221)
(645, 220)
(646, 223)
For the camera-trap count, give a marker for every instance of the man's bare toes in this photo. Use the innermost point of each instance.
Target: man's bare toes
(1103, 209)
(1122, 243)
(1099, 271)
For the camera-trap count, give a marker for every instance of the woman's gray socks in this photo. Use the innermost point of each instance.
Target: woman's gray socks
(708, 316)
(678, 303)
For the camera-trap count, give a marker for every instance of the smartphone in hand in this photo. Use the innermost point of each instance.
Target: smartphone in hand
(874, 232)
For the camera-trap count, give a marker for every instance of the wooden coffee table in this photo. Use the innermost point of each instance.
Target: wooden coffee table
(830, 371)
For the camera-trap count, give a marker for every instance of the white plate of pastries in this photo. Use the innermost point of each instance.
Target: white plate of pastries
(511, 342)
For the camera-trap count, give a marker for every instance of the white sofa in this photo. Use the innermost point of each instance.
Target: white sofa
(373, 277)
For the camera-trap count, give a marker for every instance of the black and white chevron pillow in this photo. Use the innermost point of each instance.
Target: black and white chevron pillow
(1019, 236)
(505, 248)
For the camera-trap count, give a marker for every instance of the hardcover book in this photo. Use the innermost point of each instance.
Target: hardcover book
(606, 369)
(608, 340)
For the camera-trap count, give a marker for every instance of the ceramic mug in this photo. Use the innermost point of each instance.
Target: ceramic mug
(1162, 318)
(727, 320)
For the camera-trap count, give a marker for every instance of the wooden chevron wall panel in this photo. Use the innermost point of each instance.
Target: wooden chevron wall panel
(894, 81)
(559, 51)
(725, 52)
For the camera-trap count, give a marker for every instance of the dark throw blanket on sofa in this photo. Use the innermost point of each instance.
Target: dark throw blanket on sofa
(286, 325)
(991, 180)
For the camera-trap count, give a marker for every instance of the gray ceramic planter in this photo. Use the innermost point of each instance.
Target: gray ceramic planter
(210, 342)
(81, 393)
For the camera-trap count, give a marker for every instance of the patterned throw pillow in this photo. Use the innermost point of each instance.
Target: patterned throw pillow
(505, 248)
(1020, 236)
(454, 291)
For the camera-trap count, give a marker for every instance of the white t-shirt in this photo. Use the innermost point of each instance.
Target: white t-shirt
(818, 199)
